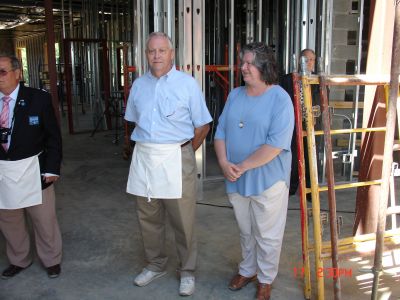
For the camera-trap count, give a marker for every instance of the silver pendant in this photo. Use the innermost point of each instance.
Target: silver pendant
(241, 125)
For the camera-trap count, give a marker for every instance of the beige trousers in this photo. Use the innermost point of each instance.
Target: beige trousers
(181, 213)
(261, 221)
(46, 229)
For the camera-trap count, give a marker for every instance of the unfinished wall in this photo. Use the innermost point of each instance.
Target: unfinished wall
(344, 44)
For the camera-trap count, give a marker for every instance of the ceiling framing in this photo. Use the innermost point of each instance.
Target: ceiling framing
(23, 18)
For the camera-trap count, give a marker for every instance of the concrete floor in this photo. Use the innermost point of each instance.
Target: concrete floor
(102, 249)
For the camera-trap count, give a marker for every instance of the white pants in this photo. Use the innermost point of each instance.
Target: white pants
(261, 221)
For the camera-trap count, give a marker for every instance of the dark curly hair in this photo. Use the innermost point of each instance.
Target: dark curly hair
(264, 61)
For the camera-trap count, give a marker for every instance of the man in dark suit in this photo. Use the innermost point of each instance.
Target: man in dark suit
(29, 130)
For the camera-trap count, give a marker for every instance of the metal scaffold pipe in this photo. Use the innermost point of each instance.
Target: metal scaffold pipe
(331, 182)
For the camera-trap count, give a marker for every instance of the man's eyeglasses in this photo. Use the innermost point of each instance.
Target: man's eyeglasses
(5, 73)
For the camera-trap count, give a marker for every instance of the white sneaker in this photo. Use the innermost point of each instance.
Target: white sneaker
(147, 276)
(187, 286)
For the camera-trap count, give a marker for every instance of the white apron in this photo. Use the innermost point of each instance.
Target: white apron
(156, 171)
(20, 184)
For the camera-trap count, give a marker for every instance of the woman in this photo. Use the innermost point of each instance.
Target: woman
(252, 143)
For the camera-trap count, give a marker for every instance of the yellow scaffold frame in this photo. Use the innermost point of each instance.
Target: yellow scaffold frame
(322, 250)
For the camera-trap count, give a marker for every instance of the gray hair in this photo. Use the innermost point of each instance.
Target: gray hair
(264, 61)
(304, 51)
(15, 63)
(159, 34)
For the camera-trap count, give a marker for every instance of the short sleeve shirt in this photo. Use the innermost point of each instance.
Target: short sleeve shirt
(166, 110)
(267, 119)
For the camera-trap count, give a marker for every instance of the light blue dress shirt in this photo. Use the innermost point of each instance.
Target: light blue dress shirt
(167, 109)
(267, 119)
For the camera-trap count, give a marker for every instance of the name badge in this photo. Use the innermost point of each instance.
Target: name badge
(33, 120)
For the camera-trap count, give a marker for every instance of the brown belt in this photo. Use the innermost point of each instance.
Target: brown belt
(186, 143)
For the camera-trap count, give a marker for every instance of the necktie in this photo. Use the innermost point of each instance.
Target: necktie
(5, 113)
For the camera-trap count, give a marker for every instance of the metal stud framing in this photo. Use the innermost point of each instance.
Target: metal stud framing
(250, 35)
(185, 36)
(198, 72)
(169, 18)
(312, 22)
(231, 43)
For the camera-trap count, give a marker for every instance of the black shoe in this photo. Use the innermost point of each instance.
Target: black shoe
(53, 271)
(12, 270)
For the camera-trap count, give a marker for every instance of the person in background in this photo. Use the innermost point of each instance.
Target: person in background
(30, 159)
(171, 122)
(252, 143)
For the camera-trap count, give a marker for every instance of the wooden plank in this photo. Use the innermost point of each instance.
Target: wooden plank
(338, 104)
(351, 80)
(352, 244)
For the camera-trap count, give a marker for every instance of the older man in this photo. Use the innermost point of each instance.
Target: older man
(30, 157)
(171, 121)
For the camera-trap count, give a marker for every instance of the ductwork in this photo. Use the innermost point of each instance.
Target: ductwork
(16, 13)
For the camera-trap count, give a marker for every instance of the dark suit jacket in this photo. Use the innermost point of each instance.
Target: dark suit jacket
(35, 130)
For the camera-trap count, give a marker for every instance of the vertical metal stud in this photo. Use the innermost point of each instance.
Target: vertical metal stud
(249, 21)
(63, 19)
(287, 38)
(231, 44)
(179, 46)
(137, 38)
(328, 35)
(312, 21)
(297, 26)
(186, 60)
(158, 15)
(304, 24)
(260, 20)
(198, 72)
(198, 41)
(145, 31)
(169, 19)
(141, 33)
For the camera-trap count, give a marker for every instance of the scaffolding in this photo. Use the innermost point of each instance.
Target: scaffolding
(336, 248)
